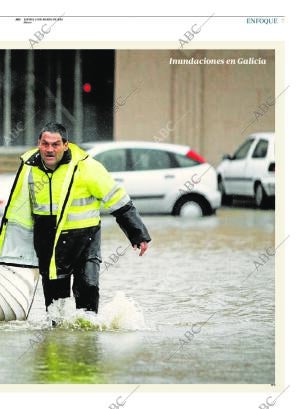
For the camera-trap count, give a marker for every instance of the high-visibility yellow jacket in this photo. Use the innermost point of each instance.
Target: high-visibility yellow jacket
(74, 193)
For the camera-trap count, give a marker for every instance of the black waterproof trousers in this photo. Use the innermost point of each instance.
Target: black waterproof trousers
(77, 254)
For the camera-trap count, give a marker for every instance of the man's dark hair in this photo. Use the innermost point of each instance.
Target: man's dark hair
(54, 127)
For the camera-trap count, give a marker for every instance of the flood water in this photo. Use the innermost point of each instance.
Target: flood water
(198, 308)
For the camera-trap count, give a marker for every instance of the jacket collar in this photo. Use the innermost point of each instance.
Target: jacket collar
(36, 160)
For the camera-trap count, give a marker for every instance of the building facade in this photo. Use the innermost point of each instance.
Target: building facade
(208, 99)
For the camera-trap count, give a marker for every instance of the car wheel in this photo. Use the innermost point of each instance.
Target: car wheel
(261, 199)
(192, 207)
(226, 199)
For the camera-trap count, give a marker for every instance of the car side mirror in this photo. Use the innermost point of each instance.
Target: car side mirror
(226, 156)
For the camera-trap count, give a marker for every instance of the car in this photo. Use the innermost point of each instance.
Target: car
(161, 178)
(6, 182)
(250, 171)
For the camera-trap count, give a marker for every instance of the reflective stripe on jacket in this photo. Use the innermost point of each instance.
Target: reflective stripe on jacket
(73, 192)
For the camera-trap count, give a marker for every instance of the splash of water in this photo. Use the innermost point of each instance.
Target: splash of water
(122, 313)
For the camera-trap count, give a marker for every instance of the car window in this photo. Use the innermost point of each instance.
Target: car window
(113, 160)
(261, 149)
(243, 150)
(183, 161)
(149, 159)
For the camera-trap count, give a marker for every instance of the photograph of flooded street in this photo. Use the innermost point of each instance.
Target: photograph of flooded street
(168, 154)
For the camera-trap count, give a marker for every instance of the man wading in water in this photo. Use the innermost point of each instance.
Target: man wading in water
(54, 214)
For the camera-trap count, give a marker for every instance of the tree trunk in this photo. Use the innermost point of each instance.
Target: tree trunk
(29, 101)
(7, 99)
(58, 107)
(78, 124)
(48, 101)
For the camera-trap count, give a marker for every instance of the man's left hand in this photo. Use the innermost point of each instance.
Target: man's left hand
(143, 247)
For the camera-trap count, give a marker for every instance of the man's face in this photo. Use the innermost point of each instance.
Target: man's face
(52, 149)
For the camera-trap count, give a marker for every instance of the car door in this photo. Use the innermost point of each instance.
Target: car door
(150, 178)
(234, 176)
(256, 165)
(115, 161)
